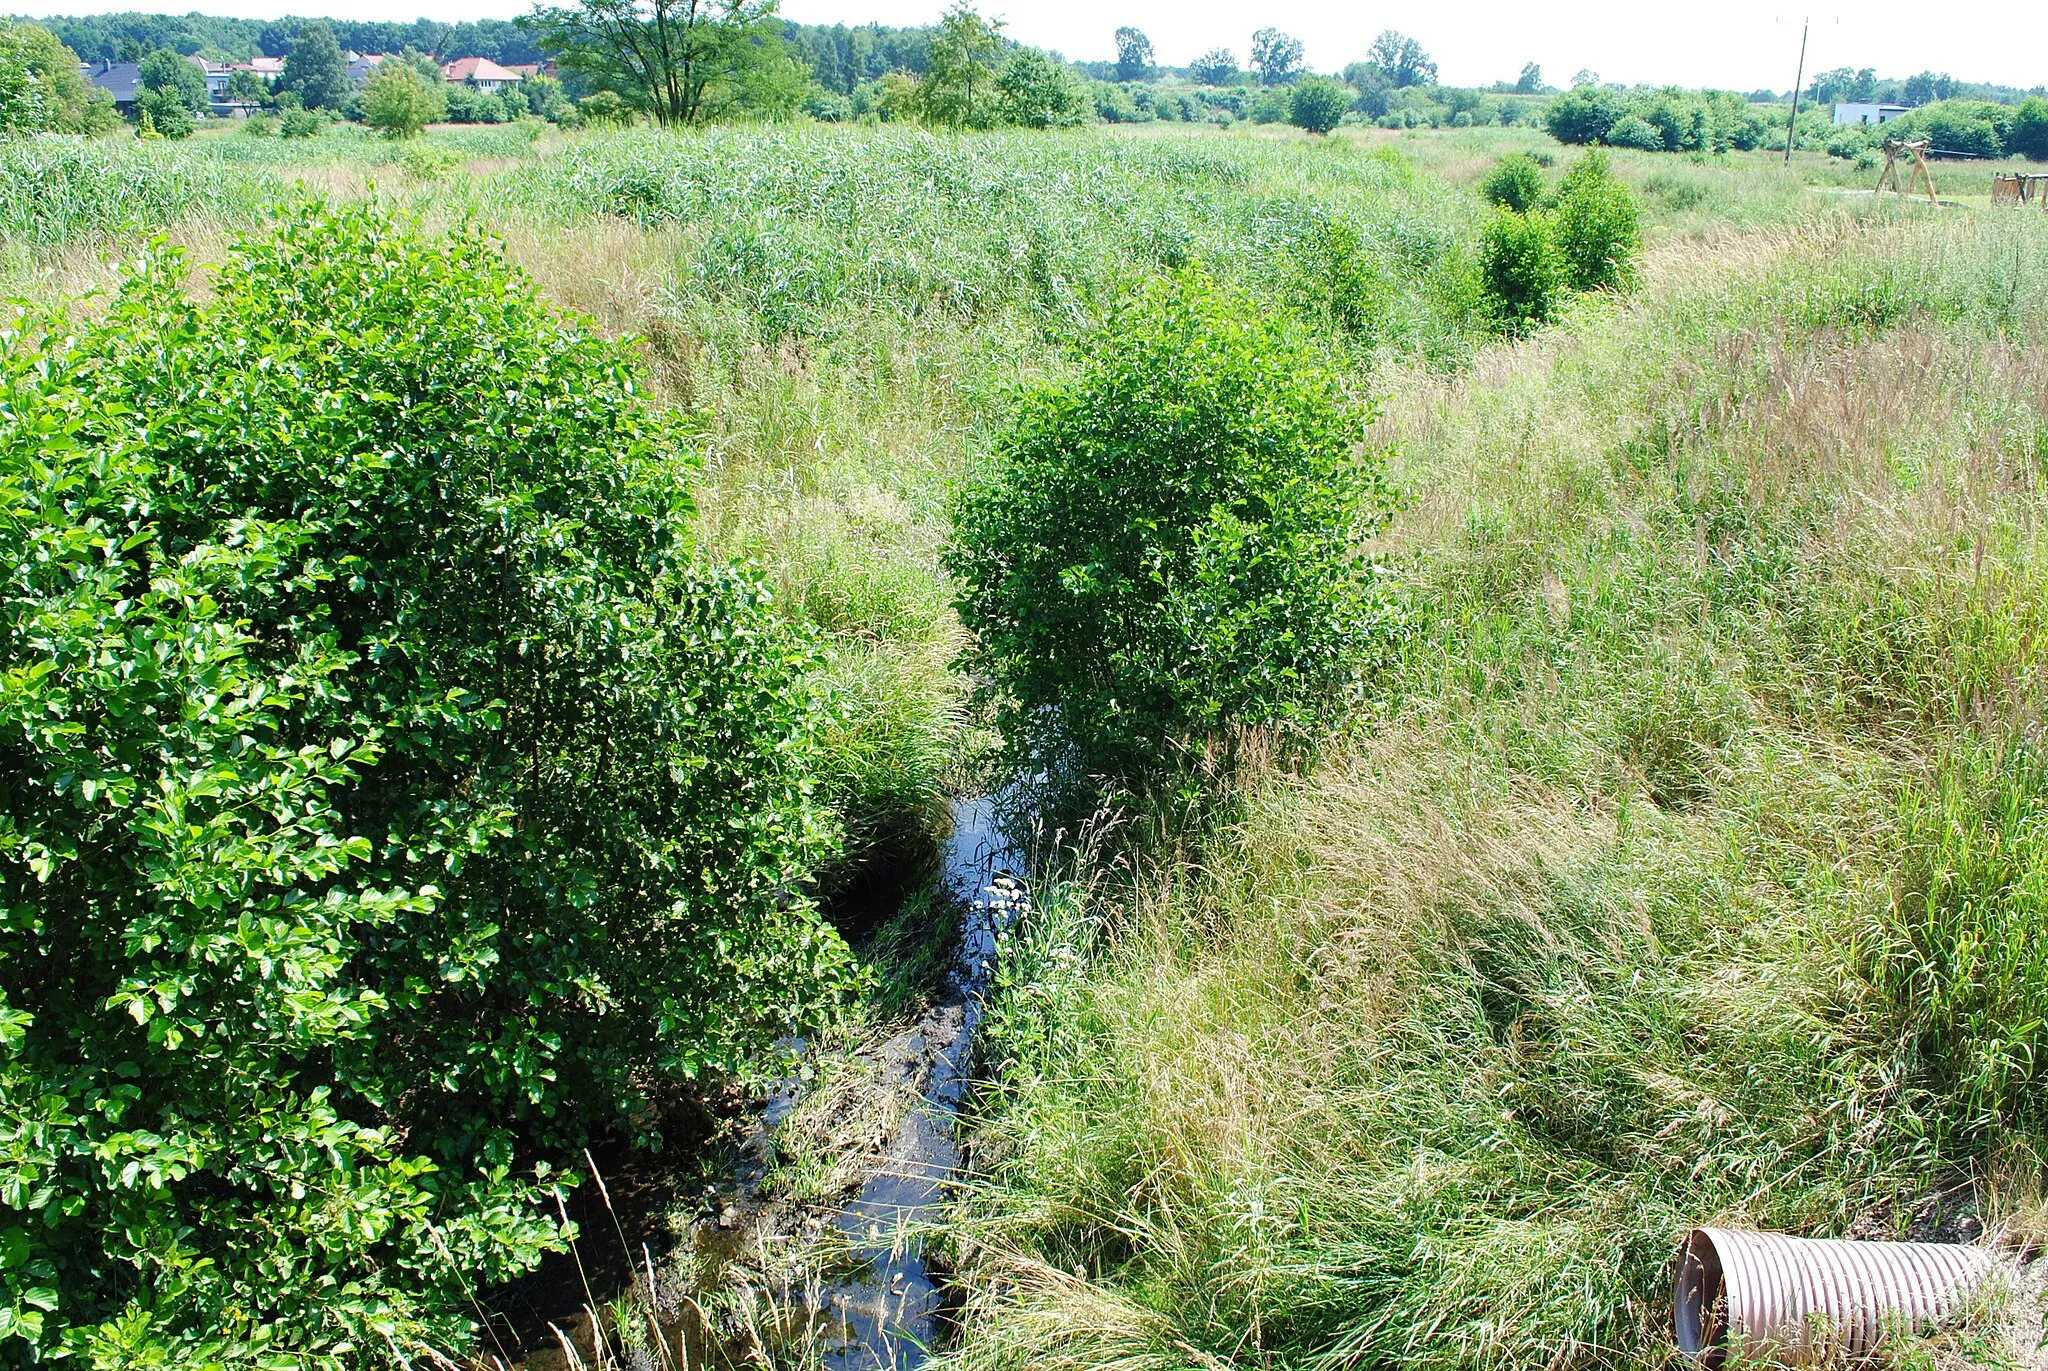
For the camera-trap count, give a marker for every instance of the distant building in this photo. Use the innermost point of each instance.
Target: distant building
(216, 74)
(480, 72)
(1868, 114)
(265, 69)
(122, 80)
(529, 70)
(362, 65)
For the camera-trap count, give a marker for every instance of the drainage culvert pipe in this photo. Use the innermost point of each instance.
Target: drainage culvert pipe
(1797, 1300)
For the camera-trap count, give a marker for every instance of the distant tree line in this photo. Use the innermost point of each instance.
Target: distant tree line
(1661, 119)
(126, 37)
(1861, 85)
(839, 56)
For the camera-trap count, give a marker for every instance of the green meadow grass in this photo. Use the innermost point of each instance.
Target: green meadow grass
(1692, 867)
(1694, 874)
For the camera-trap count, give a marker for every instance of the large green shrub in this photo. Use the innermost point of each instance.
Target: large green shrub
(2028, 136)
(1978, 128)
(1169, 544)
(1632, 131)
(1317, 104)
(1584, 114)
(391, 797)
(1036, 92)
(1598, 226)
(1523, 277)
(1515, 182)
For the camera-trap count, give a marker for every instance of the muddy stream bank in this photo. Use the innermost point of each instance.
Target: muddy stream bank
(849, 1287)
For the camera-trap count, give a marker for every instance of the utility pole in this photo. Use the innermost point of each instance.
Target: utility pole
(1792, 128)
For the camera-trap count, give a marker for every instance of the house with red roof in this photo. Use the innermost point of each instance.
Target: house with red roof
(480, 72)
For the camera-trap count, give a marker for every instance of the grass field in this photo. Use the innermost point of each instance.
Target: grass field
(1692, 865)
(1730, 609)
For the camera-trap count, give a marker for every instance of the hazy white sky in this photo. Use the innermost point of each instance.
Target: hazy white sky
(1737, 44)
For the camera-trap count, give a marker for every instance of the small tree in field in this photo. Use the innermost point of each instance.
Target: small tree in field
(1515, 183)
(400, 102)
(1317, 104)
(314, 70)
(1168, 548)
(1038, 93)
(395, 795)
(959, 86)
(1523, 276)
(1599, 226)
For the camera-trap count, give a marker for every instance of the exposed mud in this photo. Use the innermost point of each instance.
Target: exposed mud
(843, 1279)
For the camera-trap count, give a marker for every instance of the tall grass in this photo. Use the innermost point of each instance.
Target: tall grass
(54, 189)
(1693, 875)
(804, 232)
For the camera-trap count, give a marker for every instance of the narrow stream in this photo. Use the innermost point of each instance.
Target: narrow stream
(887, 1312)
(883, 1308)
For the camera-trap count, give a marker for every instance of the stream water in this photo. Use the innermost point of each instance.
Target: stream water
(883, 1307)
(888, 1309)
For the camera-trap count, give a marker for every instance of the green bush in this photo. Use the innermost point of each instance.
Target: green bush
(2028, 136)
(1515, 183)
(1598, 226)
(1334, 279)
(300, 123)
(164, 113)
(1976, 127)
(393, 797)
(1272, 105)
(1583, 114)
(1036, 92)
(1523, 276)
(1317, 104)
(1167, 547)
(1629, 131)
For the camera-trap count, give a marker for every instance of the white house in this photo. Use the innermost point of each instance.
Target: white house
(1868, 114)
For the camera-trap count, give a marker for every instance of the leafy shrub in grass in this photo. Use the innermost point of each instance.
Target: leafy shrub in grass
(1515, 183)
(1169, 544)
(1630, 131)
(1523, 276)
(392, 797)
(1598, 226)
(1317, 104)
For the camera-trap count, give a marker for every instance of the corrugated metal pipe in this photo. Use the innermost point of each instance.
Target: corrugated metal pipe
(1796, 1300)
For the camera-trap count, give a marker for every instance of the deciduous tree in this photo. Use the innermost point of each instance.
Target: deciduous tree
(959, 85)
(681, 61)
(1402, 59)
(314, 70)
(1039, 93)
(399, 102)
(165, 72)
(1133, 55)
(1216, 67)
(1276, 56)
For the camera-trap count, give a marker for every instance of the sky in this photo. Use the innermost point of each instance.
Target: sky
(1733, 44)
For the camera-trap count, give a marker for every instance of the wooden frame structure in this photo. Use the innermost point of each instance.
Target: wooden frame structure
(2020, 188)
(1895, 152)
